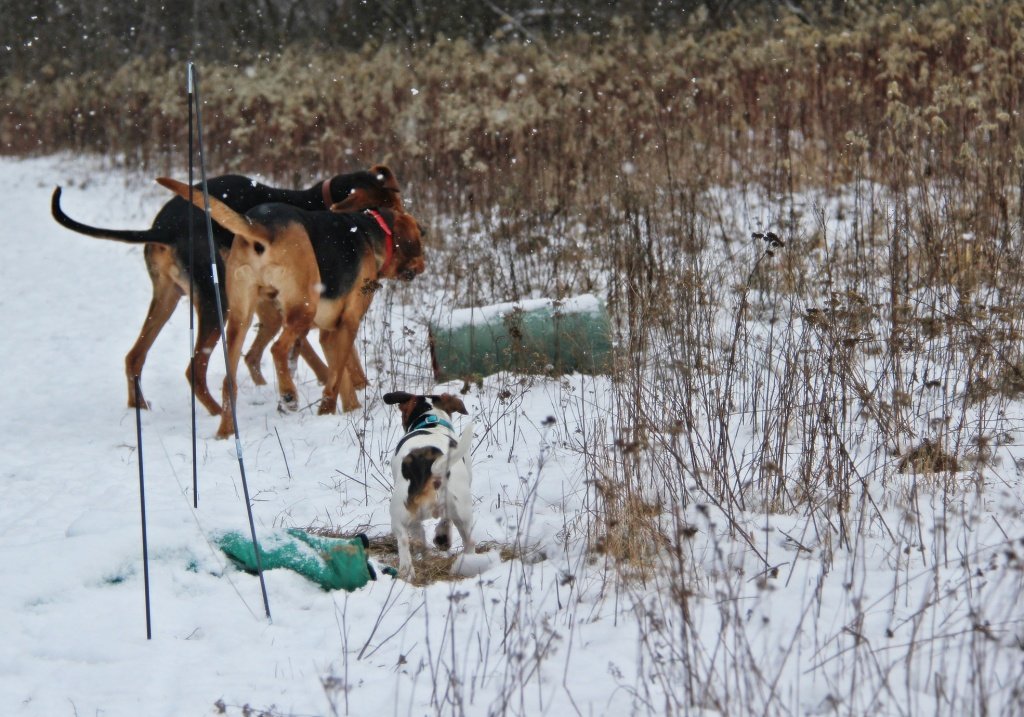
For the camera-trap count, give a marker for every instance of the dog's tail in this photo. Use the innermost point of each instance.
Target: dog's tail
(146, 236)
(443, 464)
(219, 211)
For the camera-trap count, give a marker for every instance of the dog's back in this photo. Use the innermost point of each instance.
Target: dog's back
(339, 240)
(424, 484)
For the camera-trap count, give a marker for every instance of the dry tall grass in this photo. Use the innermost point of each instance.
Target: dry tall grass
(865, 363)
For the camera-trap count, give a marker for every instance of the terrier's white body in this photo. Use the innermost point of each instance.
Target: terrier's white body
(433, 475)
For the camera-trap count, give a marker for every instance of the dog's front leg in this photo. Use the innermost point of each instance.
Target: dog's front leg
(355, 371)
(344, 350)
(329, 402)
(347, 358)
(208, 333)
(338, 346)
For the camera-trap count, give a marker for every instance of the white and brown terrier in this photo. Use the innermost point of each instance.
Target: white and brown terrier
(433, 475)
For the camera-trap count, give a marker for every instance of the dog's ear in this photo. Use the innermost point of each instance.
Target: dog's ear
(450, 404)
(386, 177)
(397, 397)
(409, 261)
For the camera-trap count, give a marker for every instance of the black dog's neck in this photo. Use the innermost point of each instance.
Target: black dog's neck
(311, 199)
(315, 198)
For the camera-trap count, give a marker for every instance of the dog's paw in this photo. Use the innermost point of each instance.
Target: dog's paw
(226, 427)
(443, 541)
(288, 403)
(406, 573)
(328, 407)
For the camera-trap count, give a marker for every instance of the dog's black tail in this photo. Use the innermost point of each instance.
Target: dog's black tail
(147, 236)
(221, 213)
(417, 468)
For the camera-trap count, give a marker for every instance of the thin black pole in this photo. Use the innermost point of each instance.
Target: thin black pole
(191, 296)
(223, 337)
(142, 501)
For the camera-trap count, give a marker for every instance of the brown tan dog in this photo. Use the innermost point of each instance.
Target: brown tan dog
(320, 269)
(167, 260)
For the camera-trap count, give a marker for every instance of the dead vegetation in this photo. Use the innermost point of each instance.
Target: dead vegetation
(753, 381)
(433, 566)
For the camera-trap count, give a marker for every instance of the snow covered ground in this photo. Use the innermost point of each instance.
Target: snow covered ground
(916, 614)
(73, 620)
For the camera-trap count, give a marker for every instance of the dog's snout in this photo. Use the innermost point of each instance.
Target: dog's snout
(411, 270)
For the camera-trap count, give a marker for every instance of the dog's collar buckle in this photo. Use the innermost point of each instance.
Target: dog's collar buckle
(429, 421)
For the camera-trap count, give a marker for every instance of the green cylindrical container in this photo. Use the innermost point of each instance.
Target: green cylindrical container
(539, 336)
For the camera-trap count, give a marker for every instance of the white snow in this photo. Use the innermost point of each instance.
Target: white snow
(457, 318)
(879, 626)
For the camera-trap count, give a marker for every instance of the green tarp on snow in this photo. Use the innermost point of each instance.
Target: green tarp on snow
(332, 563)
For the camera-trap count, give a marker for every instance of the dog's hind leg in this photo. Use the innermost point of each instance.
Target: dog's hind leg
(239, 320)
(459, 504)
(166, 294)
(295, 328)
(405, 568)
(462, 516)
(310, 356)
(270, 323)
(207, 334)
(401, 532)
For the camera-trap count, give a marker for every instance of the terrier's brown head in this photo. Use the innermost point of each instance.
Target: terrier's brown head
(413, 405)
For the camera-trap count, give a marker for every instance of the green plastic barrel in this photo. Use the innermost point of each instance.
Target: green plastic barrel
(539, 336)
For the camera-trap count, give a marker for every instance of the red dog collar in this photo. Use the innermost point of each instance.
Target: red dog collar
(326, 189)
(389, 241)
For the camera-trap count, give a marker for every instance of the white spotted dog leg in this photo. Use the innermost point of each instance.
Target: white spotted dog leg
(462, 515)
(405, 568)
